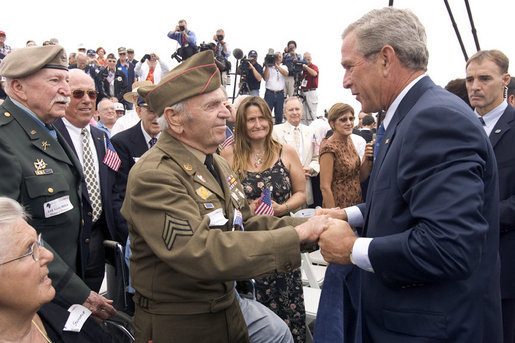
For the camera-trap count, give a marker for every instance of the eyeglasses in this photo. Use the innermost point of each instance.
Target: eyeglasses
(344, 119)
(34, 251)
(79, 93)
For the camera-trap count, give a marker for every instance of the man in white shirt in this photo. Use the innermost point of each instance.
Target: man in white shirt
(303, 138)
(274, 76)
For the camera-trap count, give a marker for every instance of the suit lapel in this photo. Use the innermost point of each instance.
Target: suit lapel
(405, 106)
(502, 126)
(140, 146)
(99, 137)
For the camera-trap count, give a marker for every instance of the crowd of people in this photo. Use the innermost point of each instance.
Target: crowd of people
(201, 192)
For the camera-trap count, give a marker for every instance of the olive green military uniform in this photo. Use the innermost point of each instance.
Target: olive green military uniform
(183, 267)
(44, 176)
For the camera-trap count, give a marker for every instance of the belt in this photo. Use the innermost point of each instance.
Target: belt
(275, 92)
(309, 90)
(186, 307)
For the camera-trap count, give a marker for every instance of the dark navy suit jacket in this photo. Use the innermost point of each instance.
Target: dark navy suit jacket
(130, 144)
(432, 210)
(107, 177)
(502, 138)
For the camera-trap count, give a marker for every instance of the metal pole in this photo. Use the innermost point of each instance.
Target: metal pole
(473, 28)
(456, 30)
(235, 78)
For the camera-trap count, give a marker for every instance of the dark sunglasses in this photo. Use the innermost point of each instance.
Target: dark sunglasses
(344, 119)
(79, 93)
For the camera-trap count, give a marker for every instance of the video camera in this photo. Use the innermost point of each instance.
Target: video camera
(270, 58)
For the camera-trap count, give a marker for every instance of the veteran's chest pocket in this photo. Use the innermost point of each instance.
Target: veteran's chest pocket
(49, 195)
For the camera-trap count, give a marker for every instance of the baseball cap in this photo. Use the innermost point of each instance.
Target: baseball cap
(2, 33)
(252, 53)
(118, 107)
(122, 50)
(91, 52)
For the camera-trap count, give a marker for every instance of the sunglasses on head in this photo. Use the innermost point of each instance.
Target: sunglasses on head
(79, 93)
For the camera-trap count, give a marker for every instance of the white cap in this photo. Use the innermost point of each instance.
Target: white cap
(118, 107)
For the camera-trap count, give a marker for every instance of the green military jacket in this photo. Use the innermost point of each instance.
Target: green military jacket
(44, 176)
(181, 263)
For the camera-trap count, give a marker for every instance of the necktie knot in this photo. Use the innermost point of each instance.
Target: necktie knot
(482, 121)
(153, 141)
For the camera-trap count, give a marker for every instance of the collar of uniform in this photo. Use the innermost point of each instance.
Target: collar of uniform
(26, 109)
(181, 153)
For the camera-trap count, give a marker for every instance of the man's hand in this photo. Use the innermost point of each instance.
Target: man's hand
(336, 242)
(311, 230)
(307, 172)
(100, 307)
(336, 213)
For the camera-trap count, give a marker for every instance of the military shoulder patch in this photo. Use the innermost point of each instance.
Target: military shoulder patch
(174, 227)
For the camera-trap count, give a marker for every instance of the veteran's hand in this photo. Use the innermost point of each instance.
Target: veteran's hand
(335, 212)
(100, 306)
(310, 230)
(336, 242)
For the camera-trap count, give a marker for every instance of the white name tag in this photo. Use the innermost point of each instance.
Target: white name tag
(216, 218)
(57, 206)
(78, 316)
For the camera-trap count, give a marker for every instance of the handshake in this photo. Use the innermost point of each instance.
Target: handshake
(335, 236)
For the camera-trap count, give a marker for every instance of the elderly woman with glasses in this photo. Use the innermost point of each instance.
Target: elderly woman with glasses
(341, 168)
(25, 287)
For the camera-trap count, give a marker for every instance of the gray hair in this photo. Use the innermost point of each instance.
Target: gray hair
(399, 28)
(178, 107)
(10, 212)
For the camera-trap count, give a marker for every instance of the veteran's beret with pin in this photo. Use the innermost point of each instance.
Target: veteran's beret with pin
(195, 76)
(27, 61)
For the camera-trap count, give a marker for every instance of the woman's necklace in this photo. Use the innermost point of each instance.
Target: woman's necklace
(259, 159)
(41, 331)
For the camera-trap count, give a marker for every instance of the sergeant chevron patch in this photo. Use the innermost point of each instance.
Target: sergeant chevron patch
(175, 227)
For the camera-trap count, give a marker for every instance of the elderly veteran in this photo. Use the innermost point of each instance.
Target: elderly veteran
(192, 232)
(40, 170)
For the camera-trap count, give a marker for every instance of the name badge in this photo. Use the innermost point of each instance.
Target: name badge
(57, 206)
(216, 218)
(78, 316)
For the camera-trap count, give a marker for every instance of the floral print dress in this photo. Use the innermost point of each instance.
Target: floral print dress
(281, 292)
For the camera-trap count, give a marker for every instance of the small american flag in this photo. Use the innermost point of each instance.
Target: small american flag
(229, 138)
(111, 158)
(238, 220)
(264, 205)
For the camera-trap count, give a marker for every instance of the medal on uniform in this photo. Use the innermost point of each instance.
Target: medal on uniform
(209, 205)
(40, 166)
(201, 178)
(203, 192)
(45, 145)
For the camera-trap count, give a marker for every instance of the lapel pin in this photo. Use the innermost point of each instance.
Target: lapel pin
(33, 132)
(498, 131)
(387, 141)
(45, 145)
(7, 114)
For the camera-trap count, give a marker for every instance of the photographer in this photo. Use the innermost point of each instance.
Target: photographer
(274, 76)
(186, 39)
(153, 70)
(309, 87)
(252, 73)
(222, 54)
(290, 57)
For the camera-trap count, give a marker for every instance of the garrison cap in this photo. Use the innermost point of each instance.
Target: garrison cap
(195, 76)
(27, 61)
